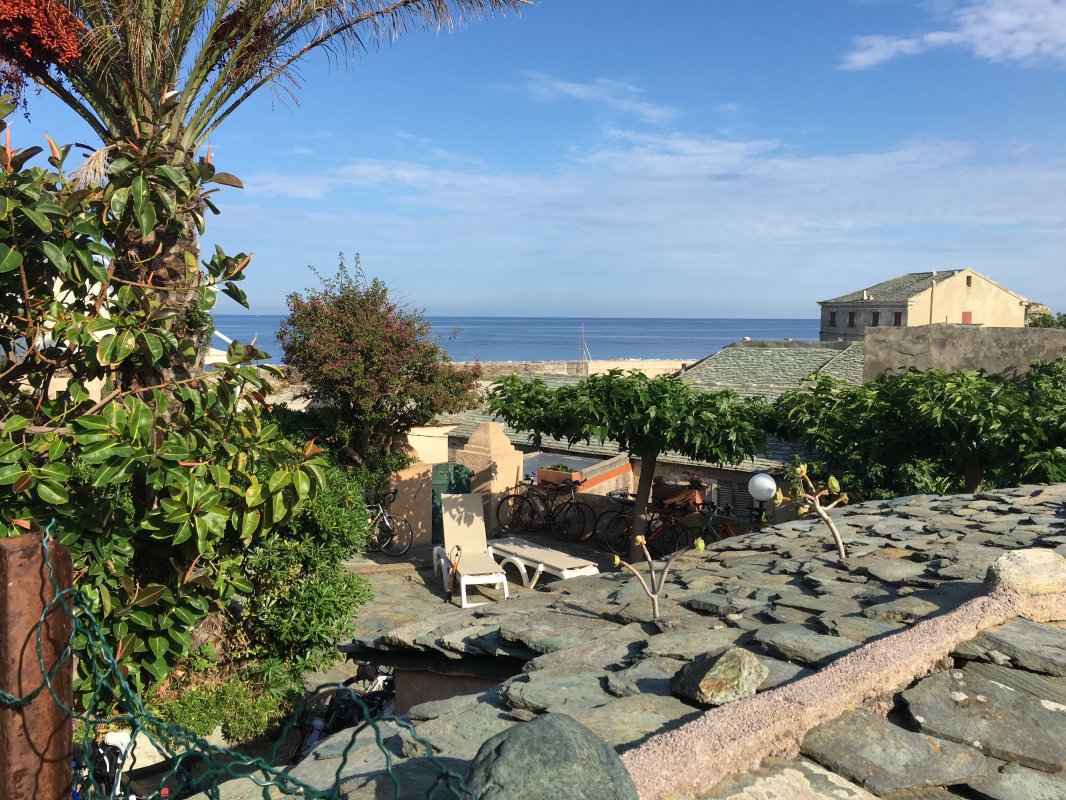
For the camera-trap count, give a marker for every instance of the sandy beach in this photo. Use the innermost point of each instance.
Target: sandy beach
(649, 366)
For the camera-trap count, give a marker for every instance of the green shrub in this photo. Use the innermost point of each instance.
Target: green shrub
(242, 707)
(302, 600)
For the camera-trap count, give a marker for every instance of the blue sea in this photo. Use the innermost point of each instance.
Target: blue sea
(557, 338)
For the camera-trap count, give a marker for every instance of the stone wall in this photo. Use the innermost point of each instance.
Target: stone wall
(1009, 351)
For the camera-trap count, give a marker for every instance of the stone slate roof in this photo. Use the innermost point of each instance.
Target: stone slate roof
(894, 290)
(750, 368)
(989, 726)
(847, 365)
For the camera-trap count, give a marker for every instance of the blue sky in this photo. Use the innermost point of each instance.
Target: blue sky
(660, 158)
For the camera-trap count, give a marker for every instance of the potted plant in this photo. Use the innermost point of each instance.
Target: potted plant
(677, 493)
(556, 473)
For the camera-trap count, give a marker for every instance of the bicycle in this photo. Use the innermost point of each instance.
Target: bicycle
(532, 507)
(661, 530)
(613, 525)
(664, 532)
(100, 770)
(369, 695)
(720, 523)
(389, 533)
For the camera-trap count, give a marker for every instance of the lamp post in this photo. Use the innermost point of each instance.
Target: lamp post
(762, 487)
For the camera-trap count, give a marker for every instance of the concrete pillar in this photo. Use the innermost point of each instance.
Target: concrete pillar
(495, 463)
(414, 500)
(35, 738)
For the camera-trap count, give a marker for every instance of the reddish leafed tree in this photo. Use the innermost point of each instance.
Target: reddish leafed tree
(371, 362)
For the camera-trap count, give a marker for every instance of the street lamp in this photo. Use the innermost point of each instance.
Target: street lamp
(761, 487)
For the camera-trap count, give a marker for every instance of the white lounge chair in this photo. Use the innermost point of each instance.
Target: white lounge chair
(466, 552)
(526, 556)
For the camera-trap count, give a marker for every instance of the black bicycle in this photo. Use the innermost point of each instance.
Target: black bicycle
(100, 771)
(341, 706)
(613, 525)
(553, 506)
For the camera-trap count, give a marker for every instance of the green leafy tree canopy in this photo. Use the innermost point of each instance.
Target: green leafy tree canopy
(158, 484)
(644, 416)
(933, 430)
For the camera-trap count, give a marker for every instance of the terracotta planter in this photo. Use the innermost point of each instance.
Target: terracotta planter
(556, 476)
(668, 493)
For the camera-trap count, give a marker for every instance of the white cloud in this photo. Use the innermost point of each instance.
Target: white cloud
(614, 94)
(734, 219)
(1026, 32)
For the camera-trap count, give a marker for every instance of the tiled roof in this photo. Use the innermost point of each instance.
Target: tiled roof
(752, 369)
(758, 366)
(894, 290)
(847, 365)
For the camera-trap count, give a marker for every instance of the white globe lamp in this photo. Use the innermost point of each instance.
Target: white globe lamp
(762, 487)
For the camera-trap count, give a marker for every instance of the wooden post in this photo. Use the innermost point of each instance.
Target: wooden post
(36, 738)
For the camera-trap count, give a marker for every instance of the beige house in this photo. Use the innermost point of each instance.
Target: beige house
(960, 296)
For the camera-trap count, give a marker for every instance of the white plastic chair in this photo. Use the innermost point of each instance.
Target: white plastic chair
(466, 557)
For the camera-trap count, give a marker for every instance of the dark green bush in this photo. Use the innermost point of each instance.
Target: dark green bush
(303, 601)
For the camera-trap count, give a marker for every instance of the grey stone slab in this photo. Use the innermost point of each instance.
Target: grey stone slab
(780, 672)
(961, 706)
(546, 632)
(628, 720)
(820, 604)
(547, 690)
(483, 639)
(787, 616)
(858, 628)
(905, 609)
(1015, 782)
(1041, 687)
(456, 705)
(647, 676)
(617, 647)
(895, 570)
(883, 757)
(797, 643)
(1031, 645)
(458, 734)
(787, 780)
(686, 645)
(721, 604)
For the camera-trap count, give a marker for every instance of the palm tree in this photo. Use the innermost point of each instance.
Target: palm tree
(155, 78)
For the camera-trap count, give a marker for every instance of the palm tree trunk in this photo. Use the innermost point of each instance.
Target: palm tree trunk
(165, 264)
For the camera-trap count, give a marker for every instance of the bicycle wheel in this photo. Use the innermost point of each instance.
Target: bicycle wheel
(515, 513)
(615, 537)
(569, 522)
(396, 535)
(589, 527)
(603, 519)
(678, 537)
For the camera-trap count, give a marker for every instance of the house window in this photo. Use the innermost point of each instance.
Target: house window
(969, 281)
(851, 319)
(897, 318)
(832, 319)
(875, 319)
(967, 318)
